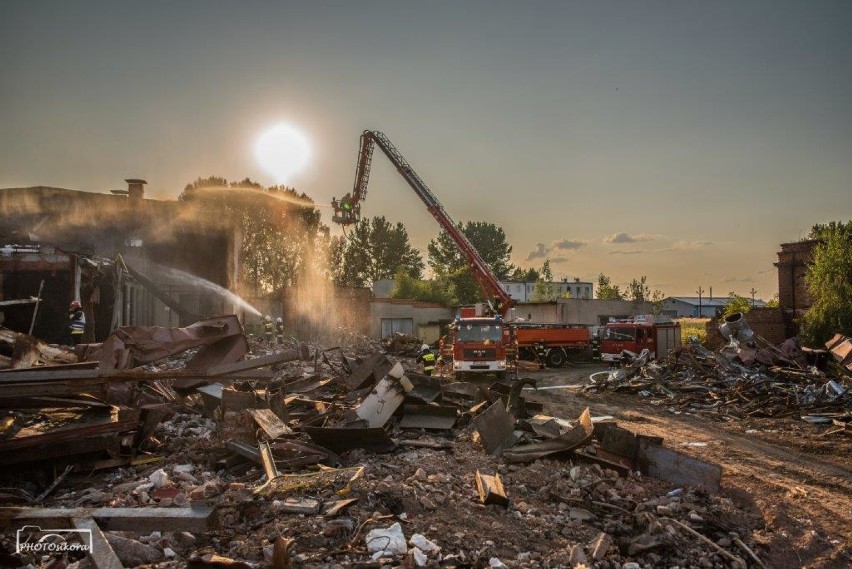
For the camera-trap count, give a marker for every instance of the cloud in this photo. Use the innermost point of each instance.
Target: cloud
(634, 252)
(543, 251)
(540, 252)
(557, 260)
(737, 280)
(566, 244)
(627, 238)
(686, 245)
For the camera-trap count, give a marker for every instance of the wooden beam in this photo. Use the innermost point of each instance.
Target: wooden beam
(491, 489)
(137, 520)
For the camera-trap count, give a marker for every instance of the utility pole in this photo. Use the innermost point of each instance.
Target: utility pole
(700, 291)
(753, 292)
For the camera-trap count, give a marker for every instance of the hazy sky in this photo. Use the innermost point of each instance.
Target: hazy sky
(682, 140)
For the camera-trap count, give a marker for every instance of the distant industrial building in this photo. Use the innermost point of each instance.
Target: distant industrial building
(697, 307)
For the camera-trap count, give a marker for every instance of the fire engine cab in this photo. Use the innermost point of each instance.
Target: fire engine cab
(658, 335)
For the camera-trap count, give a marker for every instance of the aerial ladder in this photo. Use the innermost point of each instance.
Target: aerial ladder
(347, 211)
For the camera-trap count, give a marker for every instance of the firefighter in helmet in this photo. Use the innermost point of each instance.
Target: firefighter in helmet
(268, 329)
(427, 356)
(541, 354)
(77, 322)
(279, 330)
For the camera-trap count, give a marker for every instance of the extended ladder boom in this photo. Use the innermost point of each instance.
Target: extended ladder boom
(347, 211)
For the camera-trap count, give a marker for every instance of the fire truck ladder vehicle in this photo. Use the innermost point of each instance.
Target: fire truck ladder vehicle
(347, 211)
(481, 345)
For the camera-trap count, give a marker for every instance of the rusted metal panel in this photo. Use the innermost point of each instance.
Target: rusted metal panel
(340, 440)
(151, 343)
(373, 368)
(496, 428)
(678, 468)
(428, 417)
(581, 433)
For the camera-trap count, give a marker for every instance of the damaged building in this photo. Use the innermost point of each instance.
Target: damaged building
(127, 258)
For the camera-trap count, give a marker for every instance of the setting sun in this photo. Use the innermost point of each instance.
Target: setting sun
(283, 152)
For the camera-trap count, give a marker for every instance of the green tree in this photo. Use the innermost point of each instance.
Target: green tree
(544, 290)
(829, 280)
(824, 230)
(657, 298)
(524, 275)
(607, 290)
(736, 303)
(487, 238)
(411, 288)
(279, 227)
(375, 249)
(638, 290)
(773, 302)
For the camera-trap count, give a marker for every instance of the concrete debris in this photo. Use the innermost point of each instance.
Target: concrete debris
(336, 473)
(387, 541)
(757, 381)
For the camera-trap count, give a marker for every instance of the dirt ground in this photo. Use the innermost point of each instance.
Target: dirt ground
(797, 481)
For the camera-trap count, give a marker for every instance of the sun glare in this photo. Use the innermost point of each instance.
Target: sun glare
(283, 152)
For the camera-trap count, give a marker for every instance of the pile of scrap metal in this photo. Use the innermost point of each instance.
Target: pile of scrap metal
(100, 403)
(747, 378)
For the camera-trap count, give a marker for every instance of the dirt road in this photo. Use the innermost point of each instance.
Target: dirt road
(795, 481)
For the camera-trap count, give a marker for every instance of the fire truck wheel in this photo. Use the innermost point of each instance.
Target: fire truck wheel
(556, 357)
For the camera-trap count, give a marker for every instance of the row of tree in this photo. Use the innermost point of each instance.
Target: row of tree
(282, 237)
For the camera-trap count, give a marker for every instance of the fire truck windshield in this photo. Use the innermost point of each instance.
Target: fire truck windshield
(620, 334)
(479, 333)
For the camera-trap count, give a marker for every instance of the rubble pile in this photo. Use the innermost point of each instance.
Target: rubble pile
(335, 458)
(402, 344)
(712, 383)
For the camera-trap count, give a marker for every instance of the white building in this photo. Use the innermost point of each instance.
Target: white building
(522, 291)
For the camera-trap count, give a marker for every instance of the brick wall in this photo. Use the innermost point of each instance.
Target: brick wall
(793, 297)
(766, 322)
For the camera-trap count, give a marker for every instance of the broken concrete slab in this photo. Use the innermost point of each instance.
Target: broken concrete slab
(101, 555)
(198, 519)
(385, 398)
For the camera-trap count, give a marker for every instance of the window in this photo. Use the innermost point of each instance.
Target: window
(620, 334)
(391, 326)
(479, 333)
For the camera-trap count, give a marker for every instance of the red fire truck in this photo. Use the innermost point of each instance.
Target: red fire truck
(658, 335)
(481, 341)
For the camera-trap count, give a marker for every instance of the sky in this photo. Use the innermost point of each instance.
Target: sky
(681, 140)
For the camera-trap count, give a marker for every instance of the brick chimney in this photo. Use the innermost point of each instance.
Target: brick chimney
(136, 188)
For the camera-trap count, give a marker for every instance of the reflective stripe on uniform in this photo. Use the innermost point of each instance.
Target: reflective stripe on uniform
(428, 361)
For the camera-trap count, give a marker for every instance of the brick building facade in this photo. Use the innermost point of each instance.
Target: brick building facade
(793, 297)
